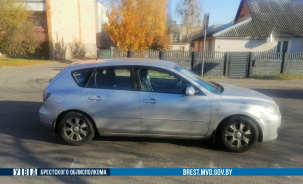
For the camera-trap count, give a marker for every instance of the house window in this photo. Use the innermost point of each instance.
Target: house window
(176, 37)
(282, 46)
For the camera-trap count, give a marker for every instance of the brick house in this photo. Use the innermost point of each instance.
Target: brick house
(259, 25)
(70, 20)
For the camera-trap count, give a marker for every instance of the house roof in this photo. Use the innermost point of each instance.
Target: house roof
(214, 30)
(282, 18)
(285, 16)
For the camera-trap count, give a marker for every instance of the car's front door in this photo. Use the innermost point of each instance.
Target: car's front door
(165, 109)
(112, 100)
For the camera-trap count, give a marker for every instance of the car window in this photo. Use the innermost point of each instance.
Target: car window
(82, 76)
(152, 80)
(207, 85)
(118, 79)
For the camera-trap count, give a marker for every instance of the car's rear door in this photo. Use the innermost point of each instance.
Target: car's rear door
(165, 109)
(113, 101)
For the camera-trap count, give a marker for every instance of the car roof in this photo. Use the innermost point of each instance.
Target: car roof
(123, 62)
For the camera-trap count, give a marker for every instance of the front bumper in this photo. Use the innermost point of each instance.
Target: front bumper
(270, 127)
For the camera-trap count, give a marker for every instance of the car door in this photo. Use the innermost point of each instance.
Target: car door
(165, 109)
(113, 101)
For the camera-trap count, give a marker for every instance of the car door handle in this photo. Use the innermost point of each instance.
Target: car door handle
(151, 101)
(96, 98)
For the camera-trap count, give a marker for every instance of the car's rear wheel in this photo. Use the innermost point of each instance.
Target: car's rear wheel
(76, 129)
(238, 134)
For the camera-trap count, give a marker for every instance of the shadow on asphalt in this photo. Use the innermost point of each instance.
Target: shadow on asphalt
(282, 93)
(207, 144)
(20, 119)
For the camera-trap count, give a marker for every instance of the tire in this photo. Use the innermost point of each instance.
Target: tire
(238, 134)
(76, 129)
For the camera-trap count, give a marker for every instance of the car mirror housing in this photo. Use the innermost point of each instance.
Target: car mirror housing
(190, 91)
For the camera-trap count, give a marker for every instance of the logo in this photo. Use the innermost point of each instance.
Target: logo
(25, 172)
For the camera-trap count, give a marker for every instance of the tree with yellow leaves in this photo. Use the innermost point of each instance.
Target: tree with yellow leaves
(138, 24)
(17, 36)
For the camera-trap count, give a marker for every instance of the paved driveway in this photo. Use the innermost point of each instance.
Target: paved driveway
(26, 144)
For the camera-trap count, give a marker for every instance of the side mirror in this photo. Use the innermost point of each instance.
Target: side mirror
(190, 91)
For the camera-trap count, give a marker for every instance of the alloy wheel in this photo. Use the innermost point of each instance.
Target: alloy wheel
(75, 129)
(238, 134)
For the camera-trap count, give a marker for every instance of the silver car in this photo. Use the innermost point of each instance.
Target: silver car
(151, 98)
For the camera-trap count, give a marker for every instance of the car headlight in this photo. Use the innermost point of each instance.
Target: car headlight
(273, 109)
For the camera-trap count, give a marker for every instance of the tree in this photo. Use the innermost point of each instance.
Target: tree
(17, 37)
(138, 24)
(190, 12)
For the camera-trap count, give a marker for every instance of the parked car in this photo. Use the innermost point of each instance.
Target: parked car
(151, 98)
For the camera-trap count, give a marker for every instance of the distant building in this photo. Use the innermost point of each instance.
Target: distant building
(259, 25)
(103, 39)
(179, 46)
(181, 37)
(70, 21)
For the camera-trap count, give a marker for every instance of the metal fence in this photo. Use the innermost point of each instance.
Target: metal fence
(111, 53)
(146, 54)
(214, 63)
(294, 63)
(181, 58)
(219, 63)
(266, 63)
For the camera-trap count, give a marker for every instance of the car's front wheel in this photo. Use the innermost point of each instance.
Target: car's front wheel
(76, 129)
(238, 134)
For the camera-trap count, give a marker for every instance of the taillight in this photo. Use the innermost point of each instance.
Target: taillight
(46, 95)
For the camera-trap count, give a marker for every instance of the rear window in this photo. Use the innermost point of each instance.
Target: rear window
(82, 76)
(111, 78)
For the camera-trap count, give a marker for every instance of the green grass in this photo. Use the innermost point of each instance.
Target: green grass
(22, 62)
(279, 77)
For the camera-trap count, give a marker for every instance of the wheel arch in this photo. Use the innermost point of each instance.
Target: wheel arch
(55, 123)
(260, 138)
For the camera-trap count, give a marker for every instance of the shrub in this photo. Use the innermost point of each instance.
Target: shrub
(77, 49)
(59, 50)
(17, 35)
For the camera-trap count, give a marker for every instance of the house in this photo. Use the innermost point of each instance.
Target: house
(103, 39)
(39, 15)
(181, 37)
(70, 21)
(259, 25)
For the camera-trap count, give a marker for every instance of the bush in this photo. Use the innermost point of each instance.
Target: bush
(78, 50)
(20, 42)
(59, 50)
(17, 35)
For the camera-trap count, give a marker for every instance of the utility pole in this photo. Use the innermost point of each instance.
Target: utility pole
(203, 56)
(205, 26)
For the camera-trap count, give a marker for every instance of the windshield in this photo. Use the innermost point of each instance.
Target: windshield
(205, 84)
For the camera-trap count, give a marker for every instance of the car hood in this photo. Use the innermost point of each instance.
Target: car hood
(235, 93)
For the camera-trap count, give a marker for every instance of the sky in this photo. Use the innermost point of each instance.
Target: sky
(221, 11)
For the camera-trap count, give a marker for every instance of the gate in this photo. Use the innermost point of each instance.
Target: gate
(238, 64)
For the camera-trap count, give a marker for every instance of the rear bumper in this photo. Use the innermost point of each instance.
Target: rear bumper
(270, 127)
(47, 117)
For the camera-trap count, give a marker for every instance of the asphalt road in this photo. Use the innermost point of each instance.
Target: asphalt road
(24, 143)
